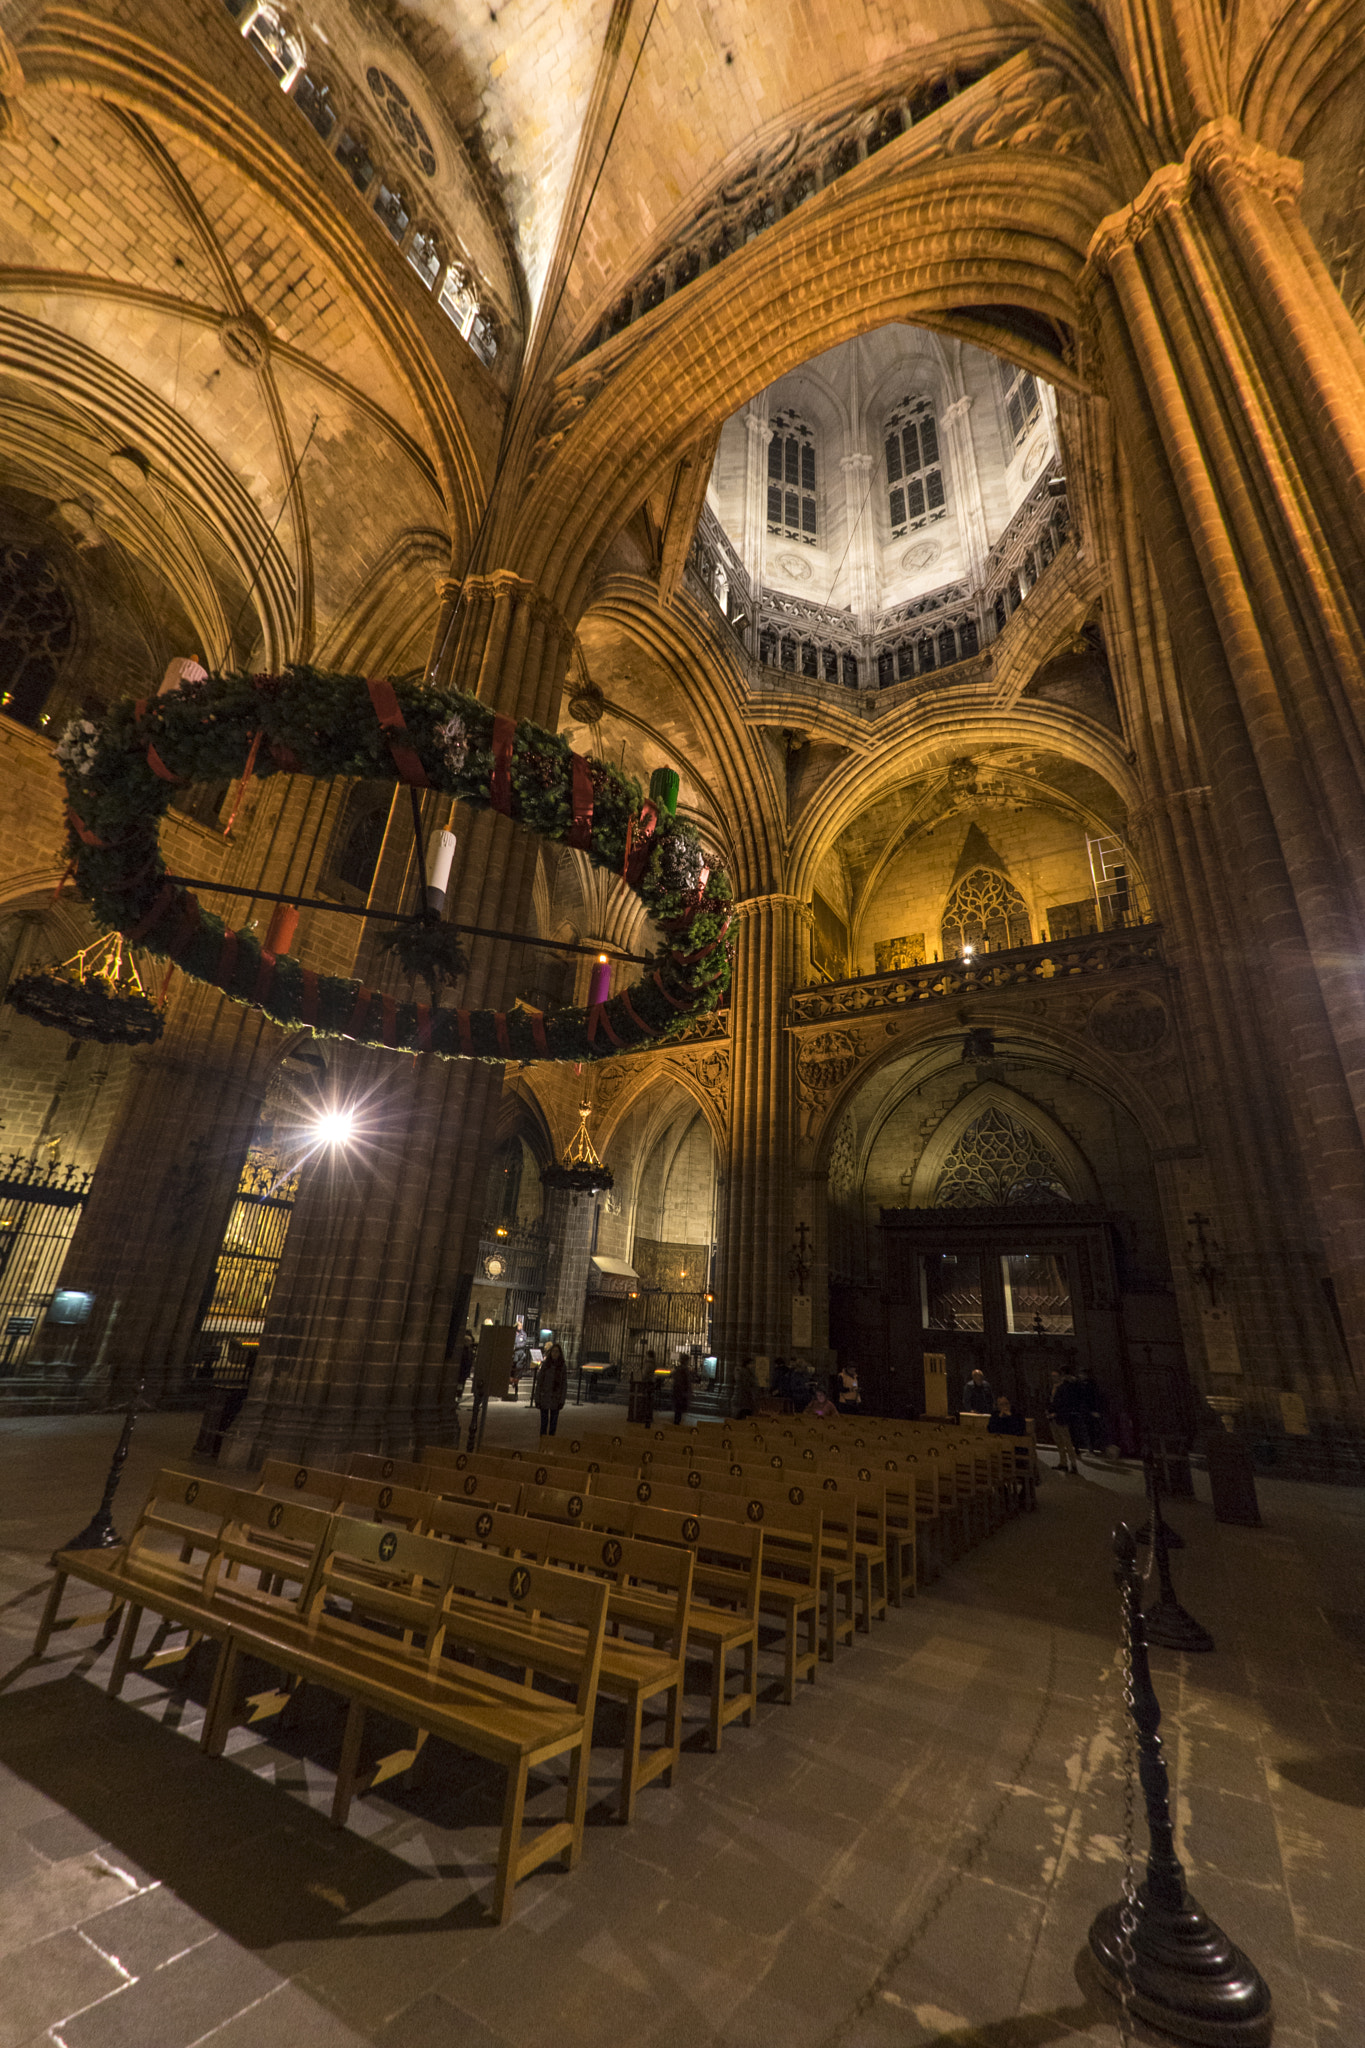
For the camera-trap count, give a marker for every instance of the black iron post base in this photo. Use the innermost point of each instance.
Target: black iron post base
(99, 1533)
(1168, 1625)
(1188, 1980)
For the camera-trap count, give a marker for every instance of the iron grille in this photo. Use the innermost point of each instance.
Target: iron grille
(40, 1207)
(249, 1256)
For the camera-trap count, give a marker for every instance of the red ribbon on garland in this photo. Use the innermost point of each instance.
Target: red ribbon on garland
(265, 974)
(500, 782)
(83, 832)
(424, 1027)
(390, 1026)
(637, 851)
(659, 984)
(154, 760)
(189, 913)
(224, 972)
(500, 1032)
(308, 1008)
(538, 1039)
(392, 724)
(247, 774)
(635, 1016)
(598, 1014)
(285, 758)
(580, 832)
(362, 1004)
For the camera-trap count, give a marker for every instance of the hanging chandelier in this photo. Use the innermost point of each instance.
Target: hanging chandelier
(97, 994)
(580, 1171)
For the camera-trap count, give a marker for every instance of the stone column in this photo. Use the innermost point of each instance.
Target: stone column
(968, 501)
(568, 1225)
(861, 566)
(379, 1259)
(755, 541)
(1239, 391)
(753, 1287)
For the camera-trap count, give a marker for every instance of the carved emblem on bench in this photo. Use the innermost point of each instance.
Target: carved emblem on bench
(471, 1484)
(519, 1585)
(301, 1477)
(797, 1496)
(694, 1479)
(611, 1551)
(643, 1490)
(461, 1461)
(388, 1545)
(276, 1515)
(691, 1529)
(385, 1496)
(573, 1507)
(754, 1510)
(191, 1493)
(484, 1525)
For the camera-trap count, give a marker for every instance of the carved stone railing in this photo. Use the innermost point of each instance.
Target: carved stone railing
(1024, 550)
(1099, 953)
(789, 171)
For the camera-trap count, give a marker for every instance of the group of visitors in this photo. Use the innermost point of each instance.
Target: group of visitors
(808, 1394)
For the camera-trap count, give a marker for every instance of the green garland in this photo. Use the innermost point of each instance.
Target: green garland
(122, 775)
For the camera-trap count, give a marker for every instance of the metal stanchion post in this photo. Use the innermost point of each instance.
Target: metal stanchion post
(99, 1532)
(1157, 1951)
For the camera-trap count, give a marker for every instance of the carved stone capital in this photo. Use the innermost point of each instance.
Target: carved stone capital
(1218, 152)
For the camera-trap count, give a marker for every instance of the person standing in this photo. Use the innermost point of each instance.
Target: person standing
(850, 1400)
(465, 1367)
(1004, 1422)
(1095, 1421)
(1063, 1404)
(682, 1389)
(746, 1390)
(976, 1395)
(551, 1388)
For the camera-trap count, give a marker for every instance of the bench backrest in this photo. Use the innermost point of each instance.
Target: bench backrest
(390, 1575)
(660, 1567)
(402, 1471)
(533, 1590)
(311, 1483)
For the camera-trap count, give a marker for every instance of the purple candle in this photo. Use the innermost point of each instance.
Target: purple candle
(601, 980)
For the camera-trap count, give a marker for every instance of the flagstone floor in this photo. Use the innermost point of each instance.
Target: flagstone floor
(910, 1854)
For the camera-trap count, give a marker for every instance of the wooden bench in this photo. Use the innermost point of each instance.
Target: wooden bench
(724, 1623)
(426, 1585)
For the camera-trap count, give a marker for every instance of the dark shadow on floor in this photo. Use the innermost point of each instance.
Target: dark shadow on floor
(1339, 1777)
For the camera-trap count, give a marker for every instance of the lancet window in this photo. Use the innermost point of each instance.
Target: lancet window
(37, 632)
(1023, 400)
(914, 473)
(792, 504)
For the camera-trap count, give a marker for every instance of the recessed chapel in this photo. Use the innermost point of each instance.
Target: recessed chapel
(851, 518)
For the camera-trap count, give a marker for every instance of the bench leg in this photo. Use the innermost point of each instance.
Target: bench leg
(812, 1639)
(673, 1728)
(513, 1809)
(717, 1695)
(789, 1658)
(123, 1656)
(630, 1757)
(750, 1678)
(346, 1766)
(49, 1620)
(222, 1699)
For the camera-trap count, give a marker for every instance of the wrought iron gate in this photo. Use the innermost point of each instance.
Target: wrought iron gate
(249, 1257)
(40, 1207)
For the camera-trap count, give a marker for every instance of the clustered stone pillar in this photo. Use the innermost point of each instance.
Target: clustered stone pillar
(754, 1286)
(1239, 389)
(379, 1257)
(568, 1219)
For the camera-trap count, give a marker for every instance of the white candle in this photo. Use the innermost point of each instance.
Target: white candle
(440, 855)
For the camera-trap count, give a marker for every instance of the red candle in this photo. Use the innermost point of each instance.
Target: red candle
(601, 980)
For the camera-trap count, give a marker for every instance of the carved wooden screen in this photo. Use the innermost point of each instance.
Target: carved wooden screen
(984, 906)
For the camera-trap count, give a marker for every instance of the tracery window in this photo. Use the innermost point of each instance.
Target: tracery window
(361, 838)
(1023, 401)
(460, 303)
(271, 37)
(999, 1160)
(314, 96)
(37, 632)
(353, 154)
(391, 204)
(403, 119)
(424, 254)
(984, 908)
(914, 474)
(791, 480)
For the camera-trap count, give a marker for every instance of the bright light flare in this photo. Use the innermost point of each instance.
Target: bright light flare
(335, 1127)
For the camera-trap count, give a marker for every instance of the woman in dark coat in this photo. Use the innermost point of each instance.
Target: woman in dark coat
(551, 1389)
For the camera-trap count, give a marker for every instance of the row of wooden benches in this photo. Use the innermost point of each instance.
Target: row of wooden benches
(382, 1590)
